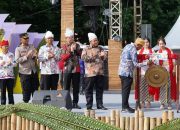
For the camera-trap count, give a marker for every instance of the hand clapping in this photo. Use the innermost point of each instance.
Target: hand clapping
(102, 54)
(73, 47)
(50, 55)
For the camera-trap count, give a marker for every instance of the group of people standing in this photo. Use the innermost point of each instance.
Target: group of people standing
(130, 60)
(69, 63)
(56, 65)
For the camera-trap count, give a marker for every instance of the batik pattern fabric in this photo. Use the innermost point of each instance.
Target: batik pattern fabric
(128, 61)
(168, 91)
(70, 60)
(6, 65)
(93, 62)
(144, 87)
(144, 91)
(165, 93)
(49, 66)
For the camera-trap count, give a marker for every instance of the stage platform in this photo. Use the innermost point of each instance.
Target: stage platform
(112, 100)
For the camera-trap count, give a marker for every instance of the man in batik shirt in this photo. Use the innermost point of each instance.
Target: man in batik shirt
(126, 67)
(48, 57)
(93, 57)
(70, 55)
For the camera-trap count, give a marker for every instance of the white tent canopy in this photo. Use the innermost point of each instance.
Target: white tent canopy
(173, 37)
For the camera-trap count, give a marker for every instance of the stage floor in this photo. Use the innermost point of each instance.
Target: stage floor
(112, 100)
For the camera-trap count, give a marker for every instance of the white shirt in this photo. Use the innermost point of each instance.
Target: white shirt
(6, 65)
(144, 68)
(49, 66)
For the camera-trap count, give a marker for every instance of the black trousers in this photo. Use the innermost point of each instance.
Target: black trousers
(49, 82)
(75, 79)
(90, 83)
(82, 84)
(29, 84)
(126, 88)
(7, 84)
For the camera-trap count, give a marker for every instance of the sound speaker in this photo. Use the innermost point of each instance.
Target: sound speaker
(56, 98)
(91, 2)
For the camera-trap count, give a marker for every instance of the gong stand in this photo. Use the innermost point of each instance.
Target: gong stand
(137, 79)
(177, 82)
(177, 58)
(138, 104)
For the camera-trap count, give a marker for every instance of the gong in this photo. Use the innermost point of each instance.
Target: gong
(156, 76)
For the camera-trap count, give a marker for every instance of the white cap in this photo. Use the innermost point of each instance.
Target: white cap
(49, 34)
(69, 32)
(92, 36)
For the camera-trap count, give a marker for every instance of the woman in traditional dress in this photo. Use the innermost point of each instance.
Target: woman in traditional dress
(143, 56)
(168, 91)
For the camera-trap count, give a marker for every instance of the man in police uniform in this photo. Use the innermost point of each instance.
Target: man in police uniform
(26, 56)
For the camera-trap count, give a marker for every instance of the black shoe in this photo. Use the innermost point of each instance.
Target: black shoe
(89, 108)
(129, 109)
(101, 107)
(75, 105)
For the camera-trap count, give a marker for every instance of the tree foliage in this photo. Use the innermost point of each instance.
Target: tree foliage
(40, 13)
(162, 14)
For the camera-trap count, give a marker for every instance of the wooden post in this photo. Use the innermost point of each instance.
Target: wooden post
(13, 121)
(8, 123)
(67, 17)
(18, 123)
(115, 49)
(146, 123)
(108, 120)
(36, 126)
(98, 118)
(92, 113)
(113, 112)
(141, 120)
(42, 127)
(23, 124)
(117, 118)
(127, 123)
(164, 117)
(122, 123)
(136, 120)
(152, 123)
(0, 123)
(27, 124)
(131, 123)
(103, 119)
(87, 112)
(177, 83)
(158, 121)
(31, 125)
(4, 123)
(47, 128)
(170, 115)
